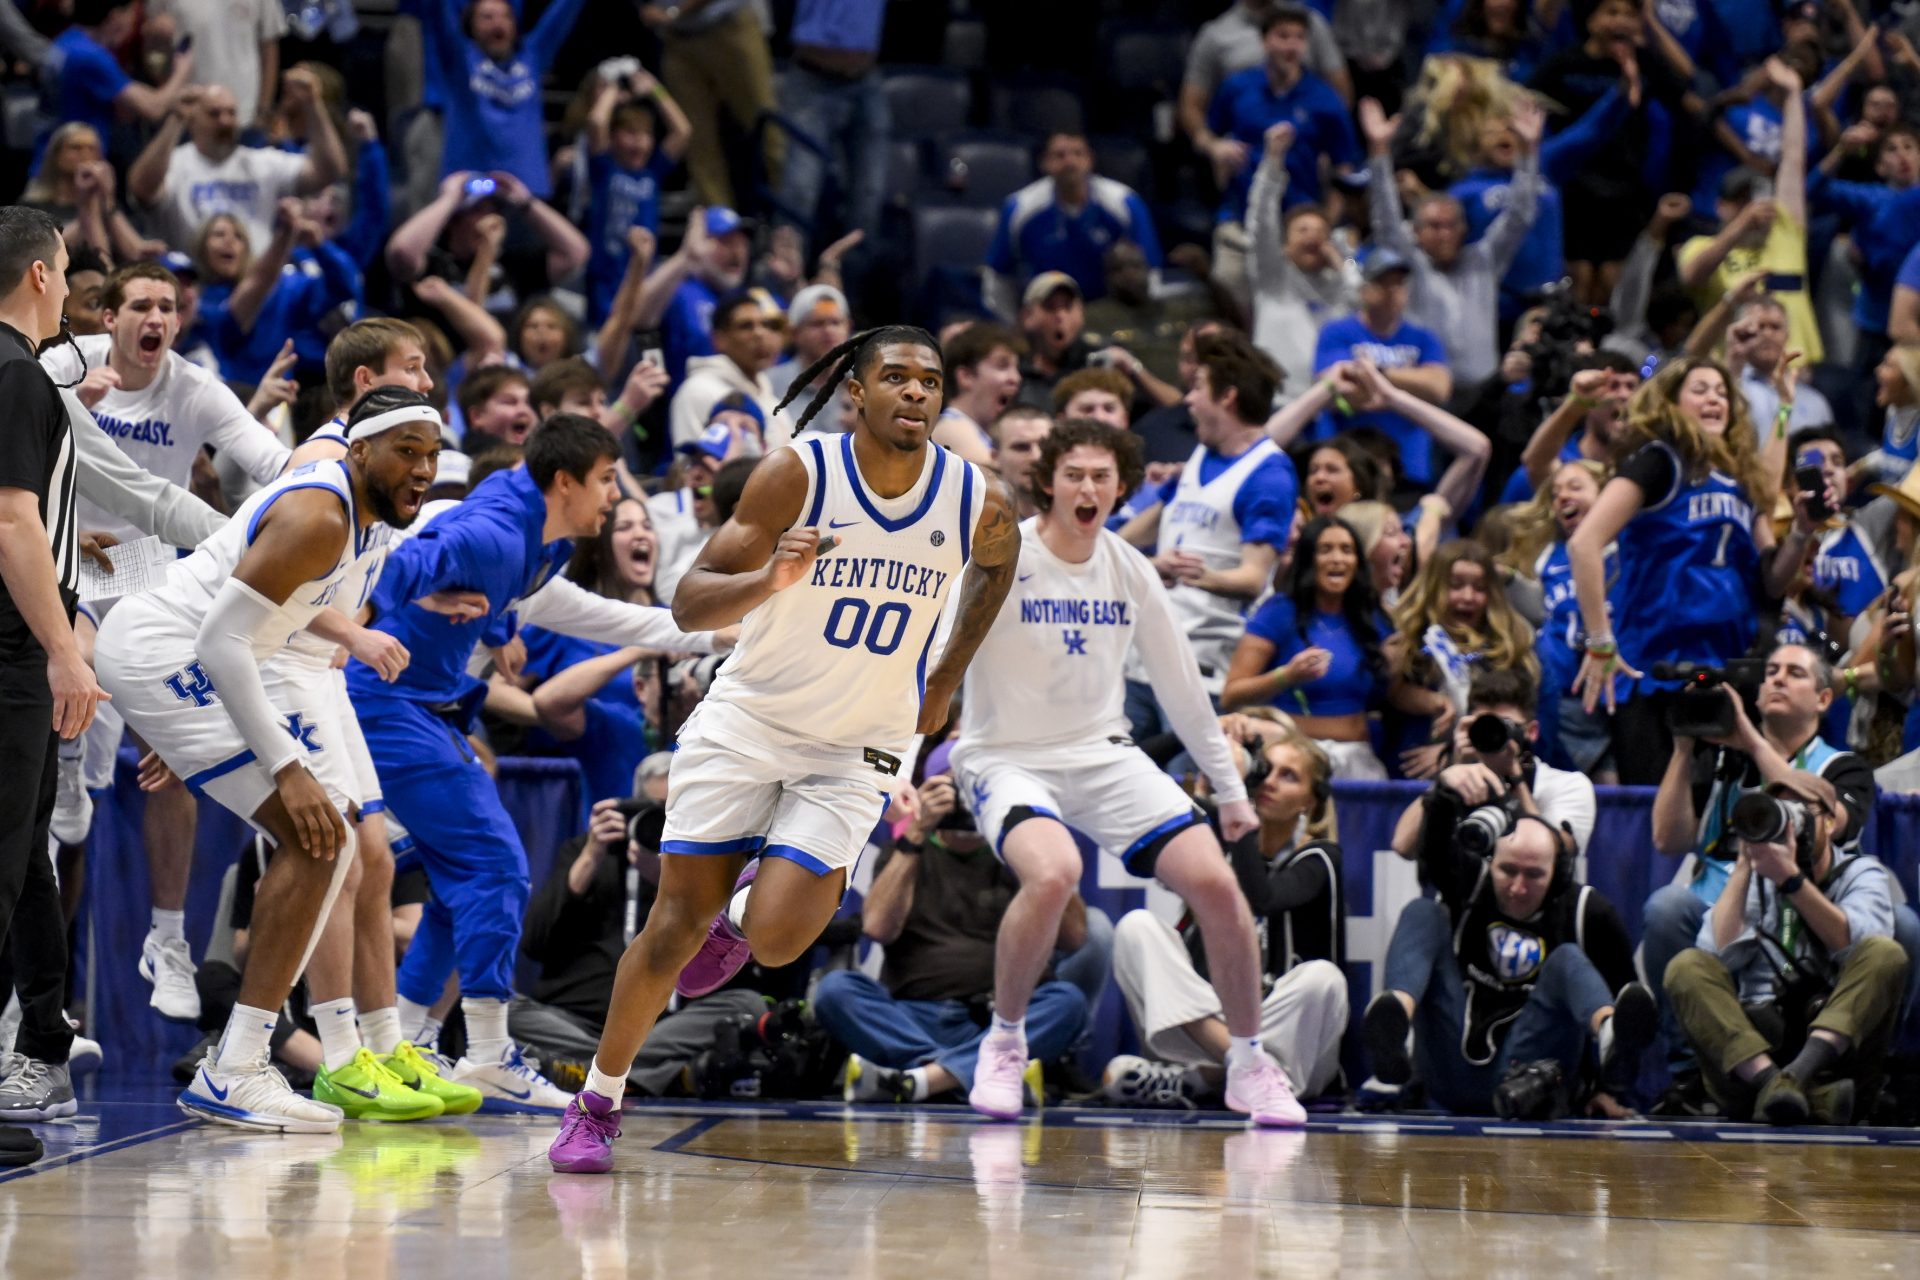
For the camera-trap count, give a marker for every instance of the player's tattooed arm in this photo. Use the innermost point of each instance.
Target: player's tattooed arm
(983, 589)
(755, 553)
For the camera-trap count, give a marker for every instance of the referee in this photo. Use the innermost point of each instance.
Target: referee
(46, 687)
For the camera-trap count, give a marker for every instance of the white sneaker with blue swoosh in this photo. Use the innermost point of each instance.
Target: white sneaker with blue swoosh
(511, 1084)
(256, 1097)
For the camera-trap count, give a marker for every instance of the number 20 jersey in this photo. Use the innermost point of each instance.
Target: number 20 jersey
(840, 658)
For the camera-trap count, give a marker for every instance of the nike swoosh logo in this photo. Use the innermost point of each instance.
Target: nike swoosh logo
(219, 1094)
(841, 524)
(522, 1096)
(369, 1094)
(1023, 577)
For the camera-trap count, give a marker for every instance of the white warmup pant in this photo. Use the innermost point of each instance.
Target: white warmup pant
(1301, 1019)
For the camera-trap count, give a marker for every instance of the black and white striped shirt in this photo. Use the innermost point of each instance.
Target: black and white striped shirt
(36, 454)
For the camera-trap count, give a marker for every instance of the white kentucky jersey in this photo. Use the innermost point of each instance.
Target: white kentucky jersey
(179, 605)
(163, 425)
(840, 658)
(1199, 519)
(1048, 675)
(307, 651)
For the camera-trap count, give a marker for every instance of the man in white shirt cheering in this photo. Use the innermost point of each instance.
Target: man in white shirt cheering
(1047, 689)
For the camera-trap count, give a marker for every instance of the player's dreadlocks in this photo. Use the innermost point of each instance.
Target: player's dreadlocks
(851, 356)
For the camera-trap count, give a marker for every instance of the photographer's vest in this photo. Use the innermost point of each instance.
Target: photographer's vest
(1717, 845)
(1501, 959)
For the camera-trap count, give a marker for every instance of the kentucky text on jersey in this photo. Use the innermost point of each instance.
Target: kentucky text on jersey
(1193, 514)
(1826, 569)
(1719, 506)
(1083, 613)
(878, 573)
(138, 432)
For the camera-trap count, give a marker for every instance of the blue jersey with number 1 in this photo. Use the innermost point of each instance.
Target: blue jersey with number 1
(1689, 576)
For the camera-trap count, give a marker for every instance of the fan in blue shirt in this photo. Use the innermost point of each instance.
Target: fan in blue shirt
(1313, 649)
(1250, 102)
(1882, 219)
(89, 86)
(1377, 332)
(627, 161)
(1069, 219)
(491, 79)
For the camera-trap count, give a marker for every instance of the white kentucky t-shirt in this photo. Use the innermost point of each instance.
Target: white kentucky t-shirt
(247, 184)
(163, 425)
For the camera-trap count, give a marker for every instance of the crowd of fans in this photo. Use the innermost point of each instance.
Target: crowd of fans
(1504, 374)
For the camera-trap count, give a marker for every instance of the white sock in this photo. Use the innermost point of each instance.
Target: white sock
(486, 1028)
(1016, 1027)
(429, 1037)
(339, 1034)
(413, 1017)
(168, 925)
(1605, 1038)
(1243, 1051)
(598, 1081)
(737, 911)
(245, 1043)
(380, 1029)
(920, 1089)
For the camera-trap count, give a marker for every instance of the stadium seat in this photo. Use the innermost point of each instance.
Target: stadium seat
(1037, 110)
(928, 102)
(994, 167)
(906, 172)
(953, 236)
(1144, 59)
(964, 47)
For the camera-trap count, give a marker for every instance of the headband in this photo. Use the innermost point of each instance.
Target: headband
(380, 422)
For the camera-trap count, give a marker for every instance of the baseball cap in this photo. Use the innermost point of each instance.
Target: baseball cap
(1046, 284)
(1381, 261)
(722, 221)
(811, 298)
(712, 442)
(179, 263)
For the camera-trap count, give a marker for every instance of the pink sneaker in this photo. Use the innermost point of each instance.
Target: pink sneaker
(587, 1131)
(998, 1090)
(723, 954)
(1262, 1091)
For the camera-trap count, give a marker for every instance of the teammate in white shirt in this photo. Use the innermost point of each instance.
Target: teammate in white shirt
(1043, 747)
(160, 409)
(837, 561)
(983, 364)
(185, 663)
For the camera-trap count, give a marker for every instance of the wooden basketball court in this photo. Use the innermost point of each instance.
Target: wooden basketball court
(131, 1188)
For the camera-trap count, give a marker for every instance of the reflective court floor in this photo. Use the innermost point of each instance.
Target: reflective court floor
(130, 1188)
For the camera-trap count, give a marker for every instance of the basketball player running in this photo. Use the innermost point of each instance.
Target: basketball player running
(1043, 746)
(185, 663)
(351, 979)
(838, 558)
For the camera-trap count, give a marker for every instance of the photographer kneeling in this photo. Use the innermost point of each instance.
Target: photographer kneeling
(578, 926)
(1796, 956)
(1499, 731)
(1505, 977)
(1699, 792)
(1292, 886)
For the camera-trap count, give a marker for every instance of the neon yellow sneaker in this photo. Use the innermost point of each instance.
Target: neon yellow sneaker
(366, 1090)
(422, 1074)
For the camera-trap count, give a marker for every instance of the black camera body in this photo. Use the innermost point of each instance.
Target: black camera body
(1759, 818)
(1699, 709)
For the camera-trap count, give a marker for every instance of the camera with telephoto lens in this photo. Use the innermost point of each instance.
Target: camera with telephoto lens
(1699, 709)
(1484, 825)
(646, 820)
(1532, 1091)
(1759, 818)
